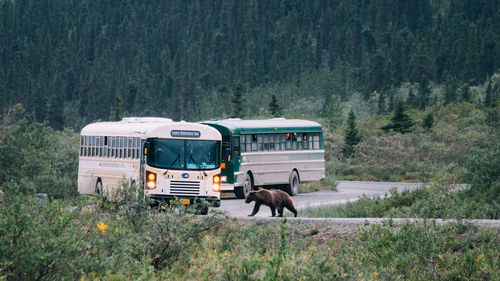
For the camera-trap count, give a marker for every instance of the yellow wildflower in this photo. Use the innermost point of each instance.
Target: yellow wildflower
(312, 250)
(9, 262)
(102, 227)
(375, 275)
(440, 257)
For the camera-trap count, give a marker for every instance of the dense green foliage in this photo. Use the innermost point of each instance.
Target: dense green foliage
(34, 158)
(66, 61)
(91, 239)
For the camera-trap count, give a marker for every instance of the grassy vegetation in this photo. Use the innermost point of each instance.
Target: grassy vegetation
(92, 239)
(431, 201)
(421, 156)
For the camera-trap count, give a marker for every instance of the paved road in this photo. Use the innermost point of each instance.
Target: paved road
(347, 191)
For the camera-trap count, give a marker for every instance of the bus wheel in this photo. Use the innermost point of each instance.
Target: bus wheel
(293, 187)
(243, 191)
(98, 187)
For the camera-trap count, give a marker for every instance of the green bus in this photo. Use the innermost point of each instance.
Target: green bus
(278, 152)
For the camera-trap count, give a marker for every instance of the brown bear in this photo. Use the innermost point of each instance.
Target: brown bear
(275, 199)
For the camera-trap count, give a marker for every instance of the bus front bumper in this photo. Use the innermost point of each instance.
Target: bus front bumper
(212, 201)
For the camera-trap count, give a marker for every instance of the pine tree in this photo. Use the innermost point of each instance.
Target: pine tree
(274, 107)
(237, 101)
(400, 121)
(351, 137)
(428, 121)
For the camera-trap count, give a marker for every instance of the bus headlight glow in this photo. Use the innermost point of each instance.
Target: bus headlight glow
(216, 183)
(150, 180)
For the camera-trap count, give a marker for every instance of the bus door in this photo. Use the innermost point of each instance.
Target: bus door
(230, 154)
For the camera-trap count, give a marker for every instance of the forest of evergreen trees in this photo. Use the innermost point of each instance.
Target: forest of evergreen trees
(72, 62)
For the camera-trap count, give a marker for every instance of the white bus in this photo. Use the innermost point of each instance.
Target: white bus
(274, 153)
(172, 160)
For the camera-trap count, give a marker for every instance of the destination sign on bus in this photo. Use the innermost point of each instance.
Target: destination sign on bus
(185, 134)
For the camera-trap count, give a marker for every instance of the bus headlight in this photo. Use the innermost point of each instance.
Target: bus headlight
(150, 180)
(216, 183)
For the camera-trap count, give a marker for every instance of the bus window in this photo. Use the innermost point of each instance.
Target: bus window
(138, 148)
(125, 147)
(243, 145)
(260, 139)
(316, 141)
(92, 146)
(109, 147)
(265, 141)
(98, 146)
(305, 141)
(84, 145)
(299, 141)
(104, 146)
(236, 145)
(87, 146)
(113, 147)
(81, 145)
(271, 141)
(248, 143)
(288, 144)
(120, 147)
(293, 141)
(254, 142)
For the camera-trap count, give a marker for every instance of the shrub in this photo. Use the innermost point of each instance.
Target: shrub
(93, 238)
(45, 159)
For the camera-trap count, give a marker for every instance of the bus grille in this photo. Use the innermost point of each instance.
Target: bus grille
(184, 187)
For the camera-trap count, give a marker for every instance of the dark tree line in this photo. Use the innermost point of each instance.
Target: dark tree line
(72, 62)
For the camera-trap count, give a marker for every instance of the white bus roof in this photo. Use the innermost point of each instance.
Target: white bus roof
(147, 127)
(278, 123)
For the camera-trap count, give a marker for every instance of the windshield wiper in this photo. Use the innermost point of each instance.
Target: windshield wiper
(175, 160)
(196, 163)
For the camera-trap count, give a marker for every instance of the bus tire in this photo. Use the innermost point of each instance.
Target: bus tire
(98, 187)
(293, 186)
(242, 192)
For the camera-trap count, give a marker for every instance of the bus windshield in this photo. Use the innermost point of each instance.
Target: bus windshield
(175, 154)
